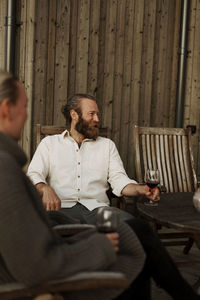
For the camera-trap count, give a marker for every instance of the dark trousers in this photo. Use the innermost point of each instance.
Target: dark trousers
(158, 265)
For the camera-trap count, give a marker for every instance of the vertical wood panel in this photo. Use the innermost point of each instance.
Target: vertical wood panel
(192, 90)
(72, 47)
(136, 79)
(82, 46)
(195, 92)
(28, 73)
(40, 66)
(22, 41)
(190, 56)
(2, 32)
(61, 59)
(119, 71)
(174, 62)
(109, 62)
(126, 87)
(93, 47)
(50, 61)
(147, 63)
(161, 65)
(101, 56)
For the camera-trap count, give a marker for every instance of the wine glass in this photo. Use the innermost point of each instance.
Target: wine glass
(152, 179)
(107, 220)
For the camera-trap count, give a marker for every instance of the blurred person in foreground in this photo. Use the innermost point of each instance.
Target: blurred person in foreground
(30, 250)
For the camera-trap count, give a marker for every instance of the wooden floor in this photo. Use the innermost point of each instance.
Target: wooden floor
(189, 266)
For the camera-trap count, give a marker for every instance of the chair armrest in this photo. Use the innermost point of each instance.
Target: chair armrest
(80, 281)
(71, 229)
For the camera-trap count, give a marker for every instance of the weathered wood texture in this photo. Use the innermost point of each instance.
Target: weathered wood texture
(124, 52)
(169, 151)
(2, 32)
(192, 88)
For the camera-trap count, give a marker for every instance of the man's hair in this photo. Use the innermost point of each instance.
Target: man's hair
(74, 102)
(8, 87)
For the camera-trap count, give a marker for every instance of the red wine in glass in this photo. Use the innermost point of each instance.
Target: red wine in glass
(106, 229)
(152, 179)
(107, 220)
(151, 184)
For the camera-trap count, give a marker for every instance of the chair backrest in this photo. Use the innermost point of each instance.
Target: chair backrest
(170, 151)
(44, 130)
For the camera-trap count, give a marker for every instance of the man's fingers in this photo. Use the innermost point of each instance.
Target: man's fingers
(47, 205)
(58, 205)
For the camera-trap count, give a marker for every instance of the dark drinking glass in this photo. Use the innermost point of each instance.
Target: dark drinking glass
(107, 220)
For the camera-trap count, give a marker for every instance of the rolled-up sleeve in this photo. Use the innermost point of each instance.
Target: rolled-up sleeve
(117, 176)
(38, 169)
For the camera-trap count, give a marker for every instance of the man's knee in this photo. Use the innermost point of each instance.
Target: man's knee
(140, 225)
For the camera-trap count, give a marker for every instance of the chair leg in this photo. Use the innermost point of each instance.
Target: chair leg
(188, 246)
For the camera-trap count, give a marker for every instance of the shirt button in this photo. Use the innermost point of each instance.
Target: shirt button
(78, 199)
(79, 176)
(78, 190)
(79, 163)
(76, 150)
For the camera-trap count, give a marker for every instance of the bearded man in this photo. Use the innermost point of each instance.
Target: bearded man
(73, 170)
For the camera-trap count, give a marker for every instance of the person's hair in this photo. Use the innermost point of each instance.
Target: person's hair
(8, 87)
(74, 102)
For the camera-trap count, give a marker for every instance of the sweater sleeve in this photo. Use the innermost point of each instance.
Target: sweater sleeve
(30, 250)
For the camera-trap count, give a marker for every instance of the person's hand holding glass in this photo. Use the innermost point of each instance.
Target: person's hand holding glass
(152, 179)
(107, 221)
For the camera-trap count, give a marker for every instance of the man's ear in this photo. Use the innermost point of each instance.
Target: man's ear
(5, 109)
(74, 115)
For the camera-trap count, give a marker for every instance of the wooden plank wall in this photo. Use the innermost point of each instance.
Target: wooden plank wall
(2, 32)
(192, 89)
(125, 52)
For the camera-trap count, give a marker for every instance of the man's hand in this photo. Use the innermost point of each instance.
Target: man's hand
(49, 198)
(133, 189)
(152, 194)
(114, 239)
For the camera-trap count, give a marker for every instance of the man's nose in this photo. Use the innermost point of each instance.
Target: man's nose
(96, 118)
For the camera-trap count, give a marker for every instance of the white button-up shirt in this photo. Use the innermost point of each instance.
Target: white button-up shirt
(79, 174)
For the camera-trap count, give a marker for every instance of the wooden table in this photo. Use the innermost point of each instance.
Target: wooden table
(174, 210)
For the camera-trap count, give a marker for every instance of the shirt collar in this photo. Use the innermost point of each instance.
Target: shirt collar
(66, 134)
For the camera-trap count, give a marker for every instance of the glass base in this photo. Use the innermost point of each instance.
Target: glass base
(150, 203)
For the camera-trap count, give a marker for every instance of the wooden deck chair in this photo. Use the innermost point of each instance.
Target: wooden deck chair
(44, 130)
(170, 151)
(78, 282)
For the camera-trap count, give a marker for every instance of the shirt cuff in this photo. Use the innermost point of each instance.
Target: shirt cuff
(121, 184)
(37, 179)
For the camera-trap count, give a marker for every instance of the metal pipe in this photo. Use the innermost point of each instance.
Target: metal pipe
(10, 23)
(180, 96)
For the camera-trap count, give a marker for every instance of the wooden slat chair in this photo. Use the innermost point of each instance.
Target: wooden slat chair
(80, 281)
(170, 151)
(44, 130)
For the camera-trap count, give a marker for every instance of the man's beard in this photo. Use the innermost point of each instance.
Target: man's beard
(89, 130)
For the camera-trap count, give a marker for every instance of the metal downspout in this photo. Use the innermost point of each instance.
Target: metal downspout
(180, 97)
(10, 23)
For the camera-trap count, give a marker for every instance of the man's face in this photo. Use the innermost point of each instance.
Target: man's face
(18, 113)
(88, 122)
